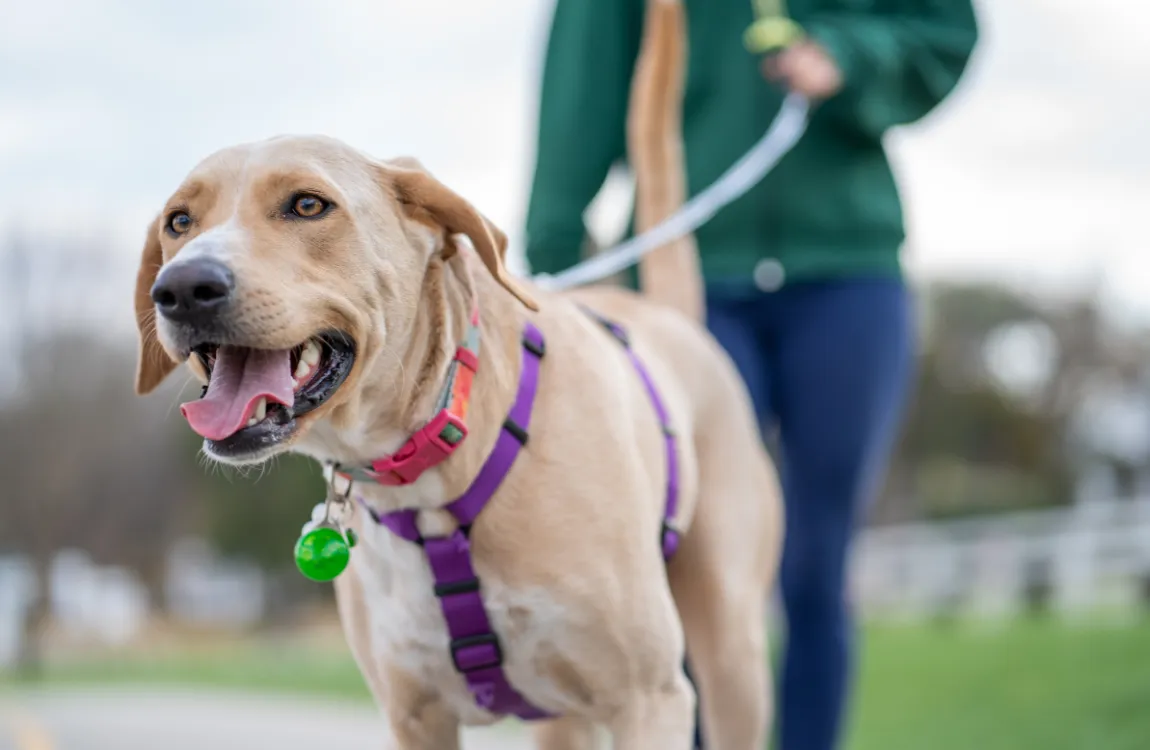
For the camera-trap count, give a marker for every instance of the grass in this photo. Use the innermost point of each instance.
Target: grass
(1027, 685)
(264, 667)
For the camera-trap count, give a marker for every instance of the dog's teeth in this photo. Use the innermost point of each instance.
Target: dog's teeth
(294, 384)
(311, 353)
(302, 369)
(252, 422)
(261, 410)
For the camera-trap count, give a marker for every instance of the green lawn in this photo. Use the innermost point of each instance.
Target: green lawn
(1031, 685)
(267, 667)
(1037, 685)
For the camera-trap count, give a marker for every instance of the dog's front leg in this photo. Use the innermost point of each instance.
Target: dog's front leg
(417, 715)
(566, 733)
(413, 732)
(658, 718)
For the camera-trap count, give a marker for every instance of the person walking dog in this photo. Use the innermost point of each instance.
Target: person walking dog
(803, 275)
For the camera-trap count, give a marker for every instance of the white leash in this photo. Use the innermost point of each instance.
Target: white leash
(786, 130)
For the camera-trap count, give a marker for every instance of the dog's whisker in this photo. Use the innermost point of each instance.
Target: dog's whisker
(177, 397)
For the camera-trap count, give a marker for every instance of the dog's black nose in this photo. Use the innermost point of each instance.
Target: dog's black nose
(193, 291)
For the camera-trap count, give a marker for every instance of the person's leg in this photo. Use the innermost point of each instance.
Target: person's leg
(841, 358)
(729, 318)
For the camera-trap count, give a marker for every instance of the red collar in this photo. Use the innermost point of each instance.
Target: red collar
(433, 443)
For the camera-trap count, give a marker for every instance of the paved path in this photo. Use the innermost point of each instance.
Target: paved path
(107, 719)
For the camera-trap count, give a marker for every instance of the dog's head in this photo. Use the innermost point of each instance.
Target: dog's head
(277, 269)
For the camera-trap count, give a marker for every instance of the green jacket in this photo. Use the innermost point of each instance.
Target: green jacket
(830, 208)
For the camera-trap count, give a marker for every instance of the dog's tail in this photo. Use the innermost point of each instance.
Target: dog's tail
(670, 274)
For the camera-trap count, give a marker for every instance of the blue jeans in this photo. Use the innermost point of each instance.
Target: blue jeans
(828, 365)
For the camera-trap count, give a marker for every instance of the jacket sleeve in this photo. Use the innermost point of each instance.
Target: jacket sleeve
(590, 57)
(896, 66)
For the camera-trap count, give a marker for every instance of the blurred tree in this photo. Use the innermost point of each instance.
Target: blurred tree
(975, 442)
(89, 465)
(86, 465)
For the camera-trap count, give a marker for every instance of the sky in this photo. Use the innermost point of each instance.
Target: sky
(1036, 171)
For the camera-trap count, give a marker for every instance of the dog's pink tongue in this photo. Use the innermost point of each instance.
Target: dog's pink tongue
(240, 378)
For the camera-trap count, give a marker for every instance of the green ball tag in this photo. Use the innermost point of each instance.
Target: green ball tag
(322, 554)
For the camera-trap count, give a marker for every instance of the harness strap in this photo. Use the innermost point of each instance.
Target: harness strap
(512, 437)
(474, 646)
(669, 535)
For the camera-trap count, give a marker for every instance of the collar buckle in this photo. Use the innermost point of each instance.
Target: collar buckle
(428, 447)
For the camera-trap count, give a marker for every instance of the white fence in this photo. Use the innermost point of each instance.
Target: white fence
(109, 605)
(202, 589)
(1093, 556)
(15, 589)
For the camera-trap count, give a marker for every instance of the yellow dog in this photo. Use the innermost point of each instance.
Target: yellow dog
(333, 307)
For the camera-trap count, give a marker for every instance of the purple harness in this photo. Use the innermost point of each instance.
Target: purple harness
(474, 646)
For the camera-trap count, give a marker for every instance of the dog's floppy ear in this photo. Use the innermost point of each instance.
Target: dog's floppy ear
(417, 190)
(154, 364)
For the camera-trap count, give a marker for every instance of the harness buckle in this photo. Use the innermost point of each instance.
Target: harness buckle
(429, 446)
(469, 586)
(475, 652)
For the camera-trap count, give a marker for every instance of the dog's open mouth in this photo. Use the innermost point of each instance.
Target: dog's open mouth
(255, 396)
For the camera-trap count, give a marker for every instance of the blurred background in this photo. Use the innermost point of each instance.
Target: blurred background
(1005, 571)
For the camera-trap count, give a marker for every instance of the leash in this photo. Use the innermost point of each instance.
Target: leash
(782, 135)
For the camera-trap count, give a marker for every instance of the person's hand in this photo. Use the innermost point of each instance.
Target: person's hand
(805, 68)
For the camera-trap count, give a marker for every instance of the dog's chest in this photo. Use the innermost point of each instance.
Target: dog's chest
(407, 629)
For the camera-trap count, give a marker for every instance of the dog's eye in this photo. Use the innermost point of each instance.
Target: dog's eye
(179, 223)
(308, 206)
